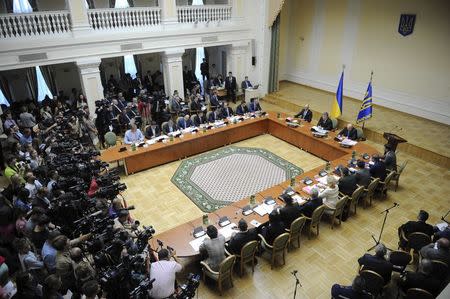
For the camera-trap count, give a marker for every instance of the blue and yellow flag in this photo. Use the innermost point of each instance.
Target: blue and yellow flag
(336, 107)
(365, 112)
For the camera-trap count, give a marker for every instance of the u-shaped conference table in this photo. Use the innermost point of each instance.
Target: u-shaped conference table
(160, 153)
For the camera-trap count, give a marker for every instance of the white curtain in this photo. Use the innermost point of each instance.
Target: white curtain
(3, 99)
(121, 4)
(43, 89)
(200, 53)
(197, 2)
(22, 6)
(86, 4)
(130, 66)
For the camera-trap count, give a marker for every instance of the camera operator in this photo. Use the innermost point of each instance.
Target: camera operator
(123, 222)
(103, 121)
(163, 271)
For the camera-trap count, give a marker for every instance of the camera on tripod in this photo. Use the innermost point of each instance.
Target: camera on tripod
(190, 287)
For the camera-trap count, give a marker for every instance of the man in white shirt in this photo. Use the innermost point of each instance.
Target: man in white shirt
(163, 271)
(133, 135)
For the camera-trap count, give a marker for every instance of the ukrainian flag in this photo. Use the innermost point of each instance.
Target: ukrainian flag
(365, 112)
(336, 108)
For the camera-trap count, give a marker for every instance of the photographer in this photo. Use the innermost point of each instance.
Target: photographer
(123, 222)
(163, 271)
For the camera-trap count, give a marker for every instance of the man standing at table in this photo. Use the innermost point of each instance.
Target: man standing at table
(246, 84)
(231, 86)
(305, 114)
(204, 69)
(390, 159)
(213, 248)
(349, 132)
(133, 135)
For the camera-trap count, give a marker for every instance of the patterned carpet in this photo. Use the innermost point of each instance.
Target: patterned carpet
(218, 178)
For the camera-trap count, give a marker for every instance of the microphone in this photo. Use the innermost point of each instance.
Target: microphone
(396, 204)
(294, 272)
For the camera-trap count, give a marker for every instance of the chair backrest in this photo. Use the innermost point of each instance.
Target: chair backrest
(317, 215)
(374, 281)
(359, 133)
(402, 167)
(193, 118)
(110, 138)
(334, 122)
(388, 179)
(416, 293)
(357, 194)
(372, 186)
(340, 205)
(399, 258)
(164, 125)
(440, 268)
(249, 249)
(226, 266)
(417, 240)
(280, 242)
(297, 225)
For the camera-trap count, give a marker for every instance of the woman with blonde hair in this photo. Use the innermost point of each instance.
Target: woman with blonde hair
(330, 194)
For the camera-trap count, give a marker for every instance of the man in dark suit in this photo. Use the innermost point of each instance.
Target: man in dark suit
(305, 114)
(218, 81)
(152, 131)
(254, 105)
(377, 263)
(242, 237)
(199, 119)
(226, 111)
(325, 122)
(290, 211)
(231, 86)
(362, 174)
(242, 108)
(414, 226)
(422, 279)
(390, 159)
(214, 99)
(349, 132)
(437, 251)
(246, 84)
(355, 291)
(185, 122)
(274, 228)
(308, 208)
(378, 168)
(347, 182)
(169, 127)
(214, 115)
(204, 69)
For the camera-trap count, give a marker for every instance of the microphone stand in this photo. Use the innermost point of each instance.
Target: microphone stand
(386, 212)
(445, 216)
(297, 282)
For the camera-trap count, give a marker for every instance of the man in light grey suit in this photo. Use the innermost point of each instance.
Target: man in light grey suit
(213, 248)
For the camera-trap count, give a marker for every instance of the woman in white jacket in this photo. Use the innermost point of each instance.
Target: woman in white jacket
(331, 193)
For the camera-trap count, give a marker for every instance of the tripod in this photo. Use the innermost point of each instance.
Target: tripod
(297, 282)
(386, 212)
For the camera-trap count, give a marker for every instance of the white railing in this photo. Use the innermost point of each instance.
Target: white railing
(203, 13)
(119, 18)
(34, 24)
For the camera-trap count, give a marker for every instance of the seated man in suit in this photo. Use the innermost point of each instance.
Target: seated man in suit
(325, 122)
(242, 108)
(133, 135)
(246, 84)
(362, 174)
(215, 115)
(422, 279)
(169, 127)
(227, 111)
(213, 248)
(439, 251)
(214, 99)
(390, 159)
(254, 105)
(378, 168)
(377, 263)
(199, 119)
(175, 102)
(305, 114)
(347, 182)
(349, 132)
(152, 131)
(274, 228)
(308, 208)
(414, 226)
(290, 211)
(218, 81)
(242, 237)
(355, 291)
(185, 122)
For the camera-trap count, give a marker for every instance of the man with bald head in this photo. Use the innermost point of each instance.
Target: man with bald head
(349, 132)
(437, 251)
(305, 114)
(422, 279)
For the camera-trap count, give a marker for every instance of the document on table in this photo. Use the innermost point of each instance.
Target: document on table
(442, 226)
(255, 223)
(156, 139)
(263, 209)
(298, 199)
(349, 142)
(197, 242)
(308, 189)
(228, 230)
(323, 180)
(319, 130)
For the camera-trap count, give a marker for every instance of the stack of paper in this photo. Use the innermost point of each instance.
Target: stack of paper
(228, 230)
(320, 130)
(298, 199)
(348, 142)
(308, 189)
(260, 210)
(174, 133)
(197, 242)
(219, 123)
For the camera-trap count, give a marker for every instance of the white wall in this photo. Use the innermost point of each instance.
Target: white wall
(411, 74)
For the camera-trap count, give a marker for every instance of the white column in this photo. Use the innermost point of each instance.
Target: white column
(90, 81)
(168, 12)
(239, 61)
(78, 17)
(173, 71)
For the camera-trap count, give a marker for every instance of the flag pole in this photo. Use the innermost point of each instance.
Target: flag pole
(371, 75)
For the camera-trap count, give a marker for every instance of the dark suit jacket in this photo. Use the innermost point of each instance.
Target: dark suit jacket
(376, 264)
(353, 134)
(363, 177)
(417, 226)
(199, 120)
(252, 107)
(212, 117)
(348, 292)
(195, 106)
(439, 254)
(230, 84)
(325, 124)
(214, 101)
(225, 114)
(308, 116)
(166, 128)
(149, 132)
(240, 239)
(422, 281)
(289, 213)
(272, 230)
(241, 110)
(183, 124)
(204, 68)
(347, 184)
(378, 170)
(390, 160)
(218, 82)
(308, 208)
(246, 84)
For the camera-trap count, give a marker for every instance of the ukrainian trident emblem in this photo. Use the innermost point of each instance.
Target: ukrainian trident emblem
(406, 25)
